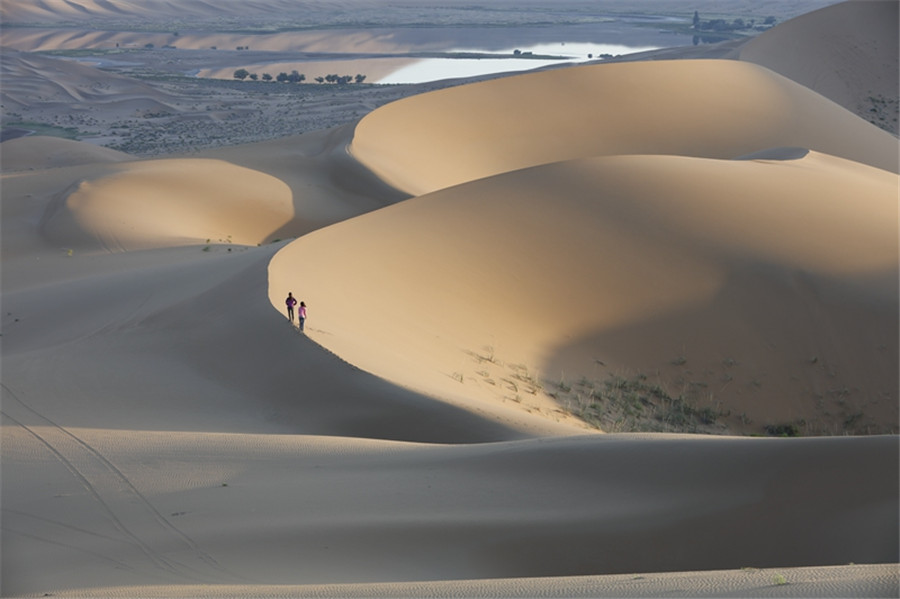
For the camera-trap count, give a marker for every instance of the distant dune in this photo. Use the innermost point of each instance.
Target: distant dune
(170, 202)
(153, 10)
(527, 298)
(451, 136)
(27, 76)
(848, 52)
(33, 153)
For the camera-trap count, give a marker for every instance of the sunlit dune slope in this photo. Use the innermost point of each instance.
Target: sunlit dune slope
(702, 108)
(40, 152)
(169, 202)
(763, 265)
(848, 52)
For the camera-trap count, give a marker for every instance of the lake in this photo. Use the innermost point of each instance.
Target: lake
(433, 69)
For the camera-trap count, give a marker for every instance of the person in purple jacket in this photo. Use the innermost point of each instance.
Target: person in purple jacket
(290, 302)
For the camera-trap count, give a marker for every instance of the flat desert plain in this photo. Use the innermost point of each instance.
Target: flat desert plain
(621, 328)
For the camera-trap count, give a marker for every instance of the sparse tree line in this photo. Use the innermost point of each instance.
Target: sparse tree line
(295, 77)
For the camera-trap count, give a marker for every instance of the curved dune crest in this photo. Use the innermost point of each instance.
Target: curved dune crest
(711, 109)
(170, 202)
(50, 152)
(529, 262)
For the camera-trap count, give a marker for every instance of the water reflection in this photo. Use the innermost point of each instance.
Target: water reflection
(515, 59)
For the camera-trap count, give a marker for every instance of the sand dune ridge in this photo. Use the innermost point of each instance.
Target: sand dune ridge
(171, 202)
(730, 109)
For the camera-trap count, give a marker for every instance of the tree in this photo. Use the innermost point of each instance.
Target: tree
(696, 20)
(282, 77)
(296, 77)
(360, 78)
(254, 76)
(241, 74)
(266, 77)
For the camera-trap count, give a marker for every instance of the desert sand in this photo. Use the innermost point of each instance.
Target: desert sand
(624, 329)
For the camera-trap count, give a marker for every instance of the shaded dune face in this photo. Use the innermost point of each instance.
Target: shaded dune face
(631, 262)
(169, 202)
(702, 108)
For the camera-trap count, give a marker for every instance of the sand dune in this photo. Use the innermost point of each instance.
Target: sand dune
(327, 186)
(830, 581)
(170, 202)
(40, 152)
(558, 267)
(379, 511)
(497, 274)
(82, 10)
(847, 52)
(36, 39)
(455, 135)
(28, 76)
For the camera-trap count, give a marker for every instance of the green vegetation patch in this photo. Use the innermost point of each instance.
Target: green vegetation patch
(45, 129)
(635, 403)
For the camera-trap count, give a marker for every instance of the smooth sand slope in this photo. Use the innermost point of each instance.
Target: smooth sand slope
(829, 581)
(847, 52)
(243, 509)
(166, 432)
(170, 202)
(702, 108)
(720, 279)
(29, 153)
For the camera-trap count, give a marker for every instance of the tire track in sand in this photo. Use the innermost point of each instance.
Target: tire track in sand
(123, 504)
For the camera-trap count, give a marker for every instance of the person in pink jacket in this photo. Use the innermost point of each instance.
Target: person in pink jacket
(301, 314)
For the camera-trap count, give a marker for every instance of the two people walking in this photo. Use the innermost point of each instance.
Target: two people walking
(290, 302)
